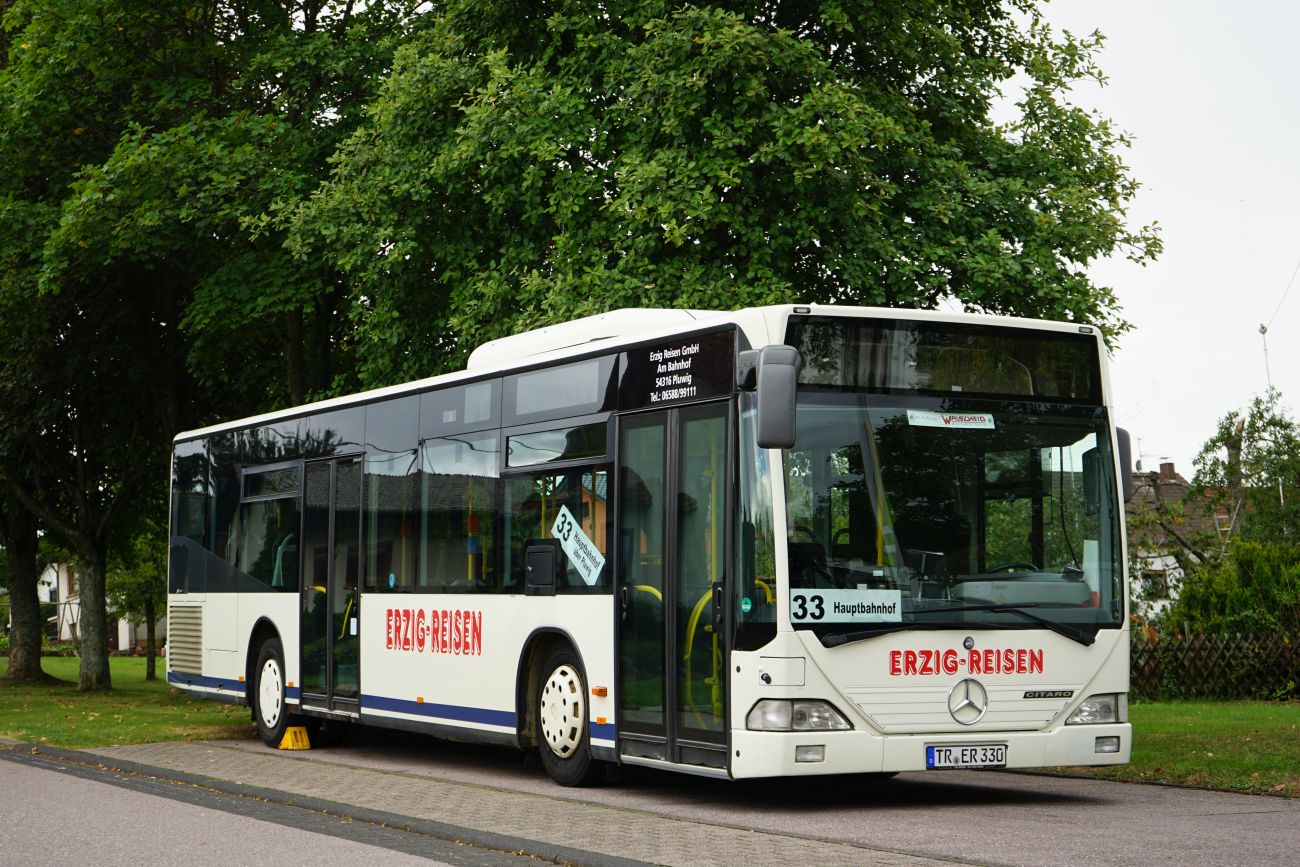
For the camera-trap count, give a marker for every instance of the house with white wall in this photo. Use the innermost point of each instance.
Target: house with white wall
(1165, 530)
(58, 584)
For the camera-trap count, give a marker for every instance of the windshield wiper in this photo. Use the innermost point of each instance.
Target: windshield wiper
(838, 638)
(1069, 632)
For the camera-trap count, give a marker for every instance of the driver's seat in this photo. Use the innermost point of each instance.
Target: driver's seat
(806, 558)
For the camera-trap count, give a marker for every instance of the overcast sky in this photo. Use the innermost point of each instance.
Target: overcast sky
(1210, 92)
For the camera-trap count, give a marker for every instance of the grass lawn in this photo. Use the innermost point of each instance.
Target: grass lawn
(1247, 746)
(135, 711)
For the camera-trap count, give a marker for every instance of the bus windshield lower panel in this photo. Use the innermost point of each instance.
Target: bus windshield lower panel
(923, 512)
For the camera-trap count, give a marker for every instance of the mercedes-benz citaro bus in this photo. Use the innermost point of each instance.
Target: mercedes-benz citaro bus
(767, 542)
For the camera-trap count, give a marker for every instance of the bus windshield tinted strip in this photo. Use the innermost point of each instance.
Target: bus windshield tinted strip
(836, 639)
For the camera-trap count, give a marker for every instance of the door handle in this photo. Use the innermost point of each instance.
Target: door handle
(719, 600)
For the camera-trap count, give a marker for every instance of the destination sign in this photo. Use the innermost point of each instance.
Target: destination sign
(693, 367)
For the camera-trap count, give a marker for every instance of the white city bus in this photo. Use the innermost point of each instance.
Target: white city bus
(775, 541)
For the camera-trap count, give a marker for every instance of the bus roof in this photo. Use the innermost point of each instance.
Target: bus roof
(608, 331)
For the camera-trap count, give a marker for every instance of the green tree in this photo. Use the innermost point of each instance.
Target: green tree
(19, 573)
(139, 139)
(1251, 469)
(526, 163)
(269, 89)
(84, 390)
(1254, 589)
(85, 365)
(137, 583)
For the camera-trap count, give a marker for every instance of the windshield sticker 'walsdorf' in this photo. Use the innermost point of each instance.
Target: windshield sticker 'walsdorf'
(846, 606)
(962, 420)
(581, 551)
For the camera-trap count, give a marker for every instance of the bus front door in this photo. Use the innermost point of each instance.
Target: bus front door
(673, 485)
(331, 555)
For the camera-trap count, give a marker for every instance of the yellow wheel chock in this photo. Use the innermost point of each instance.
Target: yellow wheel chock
(295, 738)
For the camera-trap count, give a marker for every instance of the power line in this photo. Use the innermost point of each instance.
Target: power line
(1285, 292)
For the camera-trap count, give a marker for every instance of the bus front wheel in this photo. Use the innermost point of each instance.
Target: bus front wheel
(562, 721)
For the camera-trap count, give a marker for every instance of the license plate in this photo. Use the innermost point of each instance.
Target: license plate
(966, 756)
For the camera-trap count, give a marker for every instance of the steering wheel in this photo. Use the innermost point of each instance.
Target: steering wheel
(1011, 567)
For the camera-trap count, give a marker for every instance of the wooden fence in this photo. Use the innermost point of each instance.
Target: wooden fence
(1173, 665)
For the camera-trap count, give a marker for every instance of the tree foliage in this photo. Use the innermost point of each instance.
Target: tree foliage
(137, 582)
(1251, 468)
(526, 163)
(138, 140)
(248, 99)
(1254, 589)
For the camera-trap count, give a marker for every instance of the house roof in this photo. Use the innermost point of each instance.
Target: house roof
(1156, 524)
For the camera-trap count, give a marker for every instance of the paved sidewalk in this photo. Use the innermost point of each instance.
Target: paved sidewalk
(551, 828)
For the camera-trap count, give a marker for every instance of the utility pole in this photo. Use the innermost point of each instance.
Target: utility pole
(1263, 333)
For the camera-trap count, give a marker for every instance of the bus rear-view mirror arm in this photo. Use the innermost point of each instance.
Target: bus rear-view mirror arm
(773, 372)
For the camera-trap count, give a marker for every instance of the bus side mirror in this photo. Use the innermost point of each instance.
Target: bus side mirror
(773, 372)
(1125, 462)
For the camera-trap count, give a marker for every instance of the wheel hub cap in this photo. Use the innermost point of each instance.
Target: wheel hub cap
(269, 694)
(562, 711)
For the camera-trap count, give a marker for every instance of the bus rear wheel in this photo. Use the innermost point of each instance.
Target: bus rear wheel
(270, 711)
(562, 721)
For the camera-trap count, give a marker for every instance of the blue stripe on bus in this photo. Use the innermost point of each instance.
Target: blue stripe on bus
(379, 702)
(440, 711)
(210, 682)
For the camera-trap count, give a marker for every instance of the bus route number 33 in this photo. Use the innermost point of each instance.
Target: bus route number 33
(807, 606)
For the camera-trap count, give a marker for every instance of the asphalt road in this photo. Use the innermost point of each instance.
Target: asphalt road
(980, 817)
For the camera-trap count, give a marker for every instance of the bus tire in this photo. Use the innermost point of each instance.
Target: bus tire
(562, 735)
(270, 711)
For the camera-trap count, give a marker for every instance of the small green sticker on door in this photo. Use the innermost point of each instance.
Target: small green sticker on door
(745, 605)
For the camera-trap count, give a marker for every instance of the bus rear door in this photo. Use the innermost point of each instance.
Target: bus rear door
(331, 565)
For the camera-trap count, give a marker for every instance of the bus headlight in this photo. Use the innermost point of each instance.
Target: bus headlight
(1105, 708)
(783, 715)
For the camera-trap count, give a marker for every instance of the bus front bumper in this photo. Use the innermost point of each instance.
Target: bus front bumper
(779, 754)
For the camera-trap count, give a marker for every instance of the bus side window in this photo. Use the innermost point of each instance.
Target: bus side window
(269, 548)
(575, 499)
(458, 514)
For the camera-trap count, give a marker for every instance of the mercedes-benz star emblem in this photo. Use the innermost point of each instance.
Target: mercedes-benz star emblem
(968, 701)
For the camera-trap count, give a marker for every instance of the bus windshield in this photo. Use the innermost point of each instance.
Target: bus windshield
(918, 511)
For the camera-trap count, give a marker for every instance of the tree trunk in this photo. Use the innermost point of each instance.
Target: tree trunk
(150, 648)
(93, 624)
(18, 534)
(1236, 485)
(294, 357)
